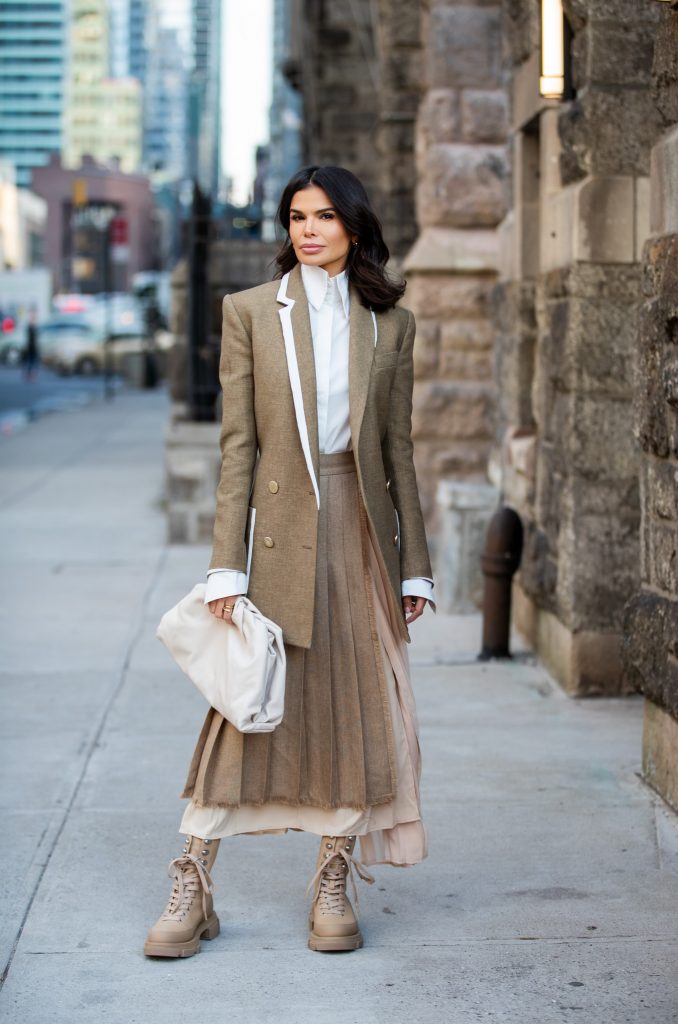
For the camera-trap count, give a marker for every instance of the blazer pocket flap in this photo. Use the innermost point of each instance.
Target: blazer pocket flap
(382, 360)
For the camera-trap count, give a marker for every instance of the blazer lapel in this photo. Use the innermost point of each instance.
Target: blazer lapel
(362, 340)
(296, 326)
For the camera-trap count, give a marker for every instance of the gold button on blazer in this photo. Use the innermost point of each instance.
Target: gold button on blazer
(267, 374)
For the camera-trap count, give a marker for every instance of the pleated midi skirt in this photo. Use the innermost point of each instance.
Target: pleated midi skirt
(335, 745)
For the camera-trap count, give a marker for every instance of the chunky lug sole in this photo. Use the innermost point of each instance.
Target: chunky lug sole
(207, 930)
(334, 943)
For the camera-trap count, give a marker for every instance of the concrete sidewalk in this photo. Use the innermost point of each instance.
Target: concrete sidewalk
(551, 890)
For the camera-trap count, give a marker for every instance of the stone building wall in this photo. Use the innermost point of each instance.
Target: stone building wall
(461, 165)
(566, 314)
(651, 645)
(358, 65)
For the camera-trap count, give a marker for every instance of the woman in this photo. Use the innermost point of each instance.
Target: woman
(318, 520)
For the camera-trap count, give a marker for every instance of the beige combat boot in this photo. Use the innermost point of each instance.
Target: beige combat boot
(189, 914)
(332, 922)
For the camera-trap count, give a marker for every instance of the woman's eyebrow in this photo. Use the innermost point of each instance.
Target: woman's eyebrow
(325, 209)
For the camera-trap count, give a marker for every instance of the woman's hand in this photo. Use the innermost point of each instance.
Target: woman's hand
(223, 607)
(413, 607)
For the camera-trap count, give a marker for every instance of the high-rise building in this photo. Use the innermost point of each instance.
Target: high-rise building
(103, 114)
(165, 108)
(285, 152)
(128, 21)
(33, 38)
(204, 102)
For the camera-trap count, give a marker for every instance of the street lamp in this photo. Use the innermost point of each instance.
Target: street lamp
(552, 79)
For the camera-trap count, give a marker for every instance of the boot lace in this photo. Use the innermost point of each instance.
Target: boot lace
(329, 881)
(189, 877)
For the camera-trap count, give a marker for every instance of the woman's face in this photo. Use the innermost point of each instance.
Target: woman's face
(318, 236)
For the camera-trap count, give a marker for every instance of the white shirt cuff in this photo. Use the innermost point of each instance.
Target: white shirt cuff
(419, 586)
(224, 583)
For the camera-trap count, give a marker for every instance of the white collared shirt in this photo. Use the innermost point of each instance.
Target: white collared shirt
(329, 309)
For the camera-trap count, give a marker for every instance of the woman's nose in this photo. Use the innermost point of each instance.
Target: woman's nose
(309, 228)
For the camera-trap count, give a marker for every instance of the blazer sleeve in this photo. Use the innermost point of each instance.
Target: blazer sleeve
(238, 443)
(414, 556)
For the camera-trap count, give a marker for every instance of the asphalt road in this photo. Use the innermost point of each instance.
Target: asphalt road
(22, 401)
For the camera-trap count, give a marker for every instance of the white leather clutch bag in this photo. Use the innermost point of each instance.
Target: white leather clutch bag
(239, 668)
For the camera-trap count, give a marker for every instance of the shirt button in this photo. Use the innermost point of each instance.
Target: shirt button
(268, 541)
(273, 486)
(395, 539)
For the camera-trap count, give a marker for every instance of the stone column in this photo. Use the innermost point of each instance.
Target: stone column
(451, 269)
(651, 645)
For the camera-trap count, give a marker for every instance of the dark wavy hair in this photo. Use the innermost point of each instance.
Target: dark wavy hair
(367, 260)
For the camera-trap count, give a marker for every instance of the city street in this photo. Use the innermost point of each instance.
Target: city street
(551, 888)
(22, 401)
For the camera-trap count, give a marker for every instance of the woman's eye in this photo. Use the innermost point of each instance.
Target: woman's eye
(327, 216)
(297, 216)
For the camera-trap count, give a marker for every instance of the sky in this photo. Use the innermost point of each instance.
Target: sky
(246, 94)
(246, 83)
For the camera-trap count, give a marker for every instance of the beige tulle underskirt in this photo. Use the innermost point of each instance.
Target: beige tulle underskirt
(390, 833)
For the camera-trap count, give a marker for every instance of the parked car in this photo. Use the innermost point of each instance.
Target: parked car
(83, 351)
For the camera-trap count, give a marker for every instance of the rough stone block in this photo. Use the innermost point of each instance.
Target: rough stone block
(650, 646)
(650, 421)
(523, 29)
(664, 185)
(669, 375)
(598, 568)
(538, 572)
(444, 295)
(586, 664)
(464, 510)
(589, 497)
(462, 186)
(466, 364)
(593, 281)
(620, 52)
(460, 250)
(665, 69)
(663, 540)
(602, 339)
(399, 24)
(426, 348)
(660, 752)
(598, 438)
(607, 131)
(451, 410)
(627, 12)
(460, 333)
(464, 46)
(604, 221)
(460, 459)
(484, 115)
(439, 118)
(395, 137)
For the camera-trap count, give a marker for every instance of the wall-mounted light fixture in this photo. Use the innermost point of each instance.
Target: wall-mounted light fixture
(552, 80)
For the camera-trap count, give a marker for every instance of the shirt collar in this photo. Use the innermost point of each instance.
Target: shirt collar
(316, 281)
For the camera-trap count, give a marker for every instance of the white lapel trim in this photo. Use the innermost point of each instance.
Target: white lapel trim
(374, 321)
(285, 315)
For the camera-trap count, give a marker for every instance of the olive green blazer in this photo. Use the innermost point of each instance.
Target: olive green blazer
(266, 519)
